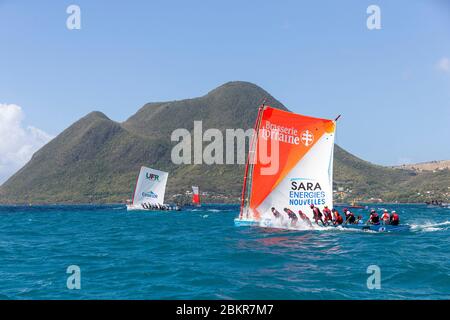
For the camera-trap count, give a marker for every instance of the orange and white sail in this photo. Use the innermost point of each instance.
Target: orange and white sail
(290, 165)
(195, 196)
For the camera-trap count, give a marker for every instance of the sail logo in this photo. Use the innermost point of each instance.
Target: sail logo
(306, 193)
(309, 186)
(307, 138)
(151, 176)
(280, 133)
(150, 194)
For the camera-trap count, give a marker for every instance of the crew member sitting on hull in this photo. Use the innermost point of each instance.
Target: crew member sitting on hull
(338, 220)
(276, 214)
(395, 219)
(350, 217)
(328, 215)
(304, 217)
(317, 214)
(359, 220)
(374, 218)
(385, 218)
(291, 216)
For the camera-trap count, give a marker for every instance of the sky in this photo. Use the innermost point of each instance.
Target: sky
(391, 85)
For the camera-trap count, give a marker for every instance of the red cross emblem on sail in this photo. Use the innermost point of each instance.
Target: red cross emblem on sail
(307, 138)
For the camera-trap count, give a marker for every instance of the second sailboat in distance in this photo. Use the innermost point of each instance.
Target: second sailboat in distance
(150, 190)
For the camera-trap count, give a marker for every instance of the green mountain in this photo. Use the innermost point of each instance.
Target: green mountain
(97, 159)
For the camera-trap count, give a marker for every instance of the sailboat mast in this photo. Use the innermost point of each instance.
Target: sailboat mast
(250, 152)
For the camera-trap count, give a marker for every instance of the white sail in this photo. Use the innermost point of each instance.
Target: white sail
(150, 187)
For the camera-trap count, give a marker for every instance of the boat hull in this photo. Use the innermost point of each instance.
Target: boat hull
(377, 228)
(363, 227)
(140, 208)
(245, 223)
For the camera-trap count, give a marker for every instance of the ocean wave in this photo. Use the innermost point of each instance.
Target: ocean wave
(430, 226)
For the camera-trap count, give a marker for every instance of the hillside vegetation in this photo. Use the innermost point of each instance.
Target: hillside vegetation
(97, 159)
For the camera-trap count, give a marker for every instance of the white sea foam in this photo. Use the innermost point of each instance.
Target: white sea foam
(430, 226)
(285, 223)
(431, 229)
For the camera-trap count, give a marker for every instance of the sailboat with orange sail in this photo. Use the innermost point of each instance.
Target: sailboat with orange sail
(281, 193)
(301, 150)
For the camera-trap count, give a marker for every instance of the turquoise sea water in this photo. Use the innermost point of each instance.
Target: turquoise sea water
(199, 254)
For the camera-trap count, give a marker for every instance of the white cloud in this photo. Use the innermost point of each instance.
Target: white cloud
(17, 142)
(444, 64)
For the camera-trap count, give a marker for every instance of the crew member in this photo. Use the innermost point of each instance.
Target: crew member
(395, 219)
(374, 218)
(292, 216)
(317, 214)
(338, 220)
(350, 217)
(385, 218)
(304, 217)
(328, 215)
(359, 220)
(276, 214)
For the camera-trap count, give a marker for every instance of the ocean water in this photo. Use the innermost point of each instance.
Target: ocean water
(200, 254)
